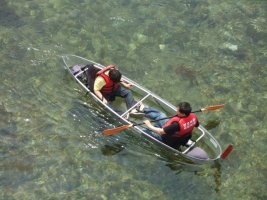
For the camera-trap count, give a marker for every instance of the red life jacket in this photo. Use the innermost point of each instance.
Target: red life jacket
(187, 124)
(110, 85)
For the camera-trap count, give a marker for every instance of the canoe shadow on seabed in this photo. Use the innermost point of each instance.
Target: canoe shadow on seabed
(177, 165)
(212, 169)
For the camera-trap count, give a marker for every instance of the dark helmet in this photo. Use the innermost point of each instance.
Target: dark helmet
(185, 108)
(114, 75)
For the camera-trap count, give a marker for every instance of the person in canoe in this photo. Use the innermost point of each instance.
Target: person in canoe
(175, 131)
(108, 85)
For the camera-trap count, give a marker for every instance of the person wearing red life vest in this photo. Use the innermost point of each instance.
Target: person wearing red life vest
(175, 131)
(108, 85)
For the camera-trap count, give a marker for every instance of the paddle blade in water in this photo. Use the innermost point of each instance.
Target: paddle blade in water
(227, 151)
(214, 107)
(116, 130)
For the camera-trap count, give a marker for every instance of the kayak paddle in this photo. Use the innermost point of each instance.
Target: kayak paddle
(123, 127)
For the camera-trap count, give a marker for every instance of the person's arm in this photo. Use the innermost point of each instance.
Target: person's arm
(172, 128)
(197, 124)
(100, 96)
(157, 130)
(99, 83)
(125, 84)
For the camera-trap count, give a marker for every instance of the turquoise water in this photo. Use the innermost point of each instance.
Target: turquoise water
(202, 51)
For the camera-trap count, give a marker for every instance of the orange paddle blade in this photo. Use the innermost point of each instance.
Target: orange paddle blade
(214, 107)
(116, 130)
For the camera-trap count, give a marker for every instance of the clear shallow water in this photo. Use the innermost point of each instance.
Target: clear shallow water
(205, 52)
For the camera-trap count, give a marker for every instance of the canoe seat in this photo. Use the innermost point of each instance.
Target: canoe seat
(190, 144)
(86, 74)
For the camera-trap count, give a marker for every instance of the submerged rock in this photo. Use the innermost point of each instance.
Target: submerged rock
(8, 16)
(162, 46)
(230, 46)
(7, 125)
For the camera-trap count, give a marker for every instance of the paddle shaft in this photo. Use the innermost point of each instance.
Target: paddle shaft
(123, 127)
(162, 118)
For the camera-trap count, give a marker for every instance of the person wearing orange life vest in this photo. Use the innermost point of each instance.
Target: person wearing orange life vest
(175, 131)
(108, 85)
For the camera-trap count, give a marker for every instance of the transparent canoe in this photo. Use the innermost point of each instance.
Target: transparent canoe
(202, 138)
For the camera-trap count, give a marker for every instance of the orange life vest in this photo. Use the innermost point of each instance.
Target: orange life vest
(110, 85)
